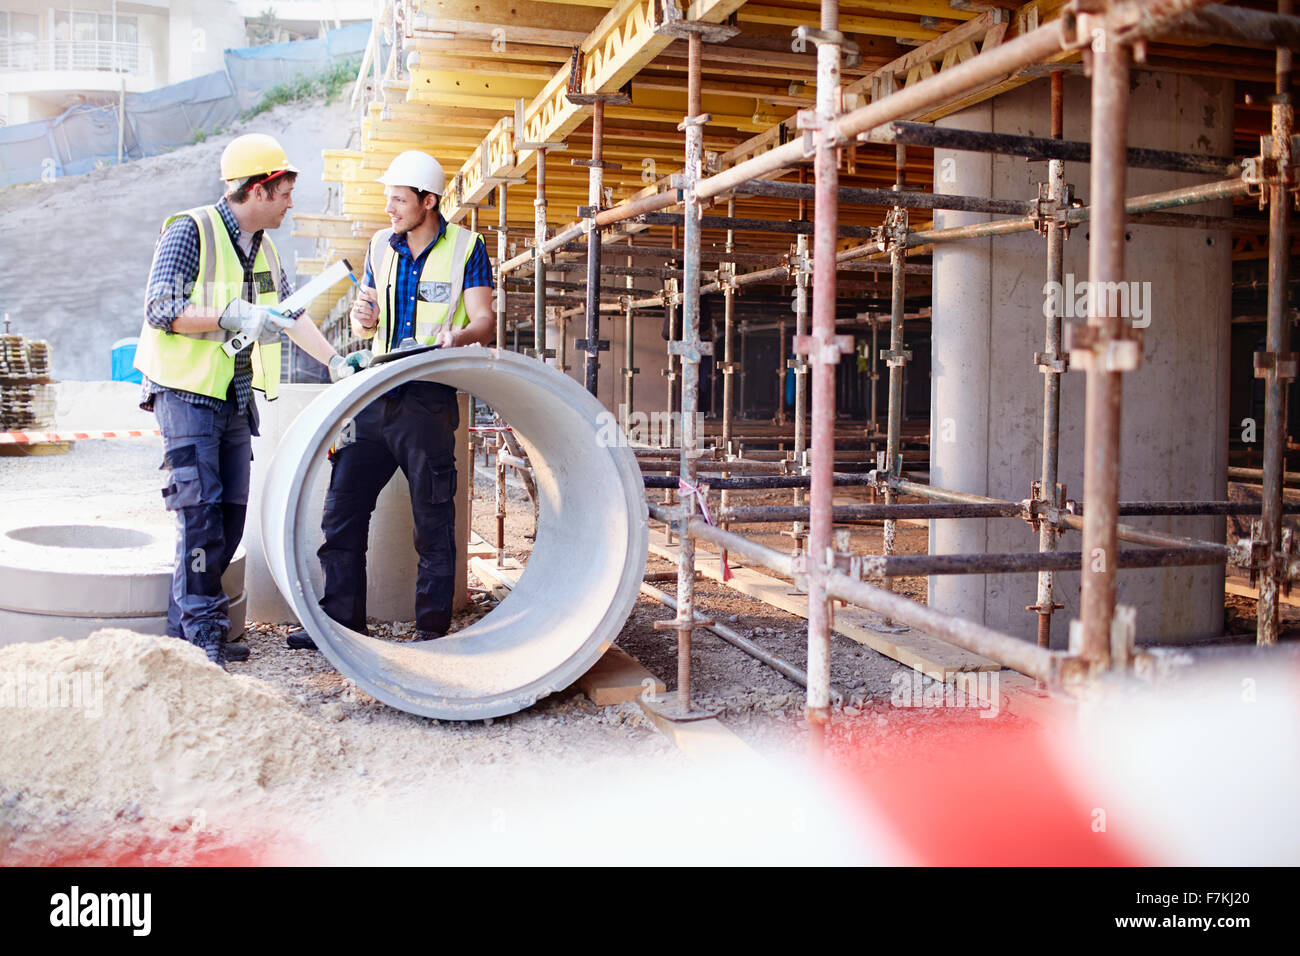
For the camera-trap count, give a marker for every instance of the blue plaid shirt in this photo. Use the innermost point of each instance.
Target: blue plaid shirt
(478, 272)
(175, 270)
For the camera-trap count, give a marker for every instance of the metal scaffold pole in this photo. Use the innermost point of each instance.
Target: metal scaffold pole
(800, 365)
(539, 264)
(596, 166)
(726, 272)
(823, 347)
(1277, 364)
(1052, 364)
(501, 259)
(629, 350)
(689, 350)
(896, 228)
(1106, 345)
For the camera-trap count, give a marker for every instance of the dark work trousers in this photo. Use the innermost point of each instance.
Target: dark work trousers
(412, 427)
(208, 455)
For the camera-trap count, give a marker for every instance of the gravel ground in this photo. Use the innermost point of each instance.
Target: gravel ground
(404, 763)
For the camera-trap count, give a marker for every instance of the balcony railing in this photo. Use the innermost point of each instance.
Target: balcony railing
(75, 55)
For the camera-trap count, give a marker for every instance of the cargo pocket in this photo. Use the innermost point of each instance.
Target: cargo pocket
(441, 487)
(184, 486)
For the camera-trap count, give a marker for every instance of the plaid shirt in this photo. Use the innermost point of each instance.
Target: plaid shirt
(175, 270)
(478, 272)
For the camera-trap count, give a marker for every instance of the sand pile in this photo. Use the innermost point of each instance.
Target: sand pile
(123, 726)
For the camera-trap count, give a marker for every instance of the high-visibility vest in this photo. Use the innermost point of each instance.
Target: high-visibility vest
(440, 299)
(195, 361)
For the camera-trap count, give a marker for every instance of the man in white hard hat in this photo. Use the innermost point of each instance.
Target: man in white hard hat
(215, 273)
(429, 281)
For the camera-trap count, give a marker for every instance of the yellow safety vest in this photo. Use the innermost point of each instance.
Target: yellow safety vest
(195, 361)
(441, 285)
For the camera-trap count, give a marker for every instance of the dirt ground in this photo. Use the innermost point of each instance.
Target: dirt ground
(379, 769)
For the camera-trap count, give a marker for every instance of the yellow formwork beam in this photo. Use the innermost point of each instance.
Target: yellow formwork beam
(810, 16)
(620, 45)
(456, 88)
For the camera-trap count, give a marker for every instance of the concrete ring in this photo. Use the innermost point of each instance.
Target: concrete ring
(581, 580)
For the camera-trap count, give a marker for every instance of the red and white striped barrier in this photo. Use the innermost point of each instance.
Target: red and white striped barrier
(36, 438)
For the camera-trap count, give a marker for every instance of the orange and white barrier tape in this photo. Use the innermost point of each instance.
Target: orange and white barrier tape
(36, 438)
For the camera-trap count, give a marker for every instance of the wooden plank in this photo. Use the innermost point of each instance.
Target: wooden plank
(923, 652)
(36, 449)
(704, 740)
(617, 678)
(1020, 696)
(1245, 590)
(500, 580)
(479, 547)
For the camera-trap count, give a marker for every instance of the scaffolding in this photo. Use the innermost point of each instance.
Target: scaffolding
(701, 470)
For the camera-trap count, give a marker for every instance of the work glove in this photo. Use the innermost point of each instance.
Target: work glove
(360, 359)
(254, 321)
(340, 368)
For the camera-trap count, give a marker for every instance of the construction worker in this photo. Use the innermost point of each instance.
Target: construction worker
(215, 273)
(430, 281)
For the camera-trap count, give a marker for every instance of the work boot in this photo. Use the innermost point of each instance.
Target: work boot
(300, 640)
(208, 639)
(234, 651)
(422, 635)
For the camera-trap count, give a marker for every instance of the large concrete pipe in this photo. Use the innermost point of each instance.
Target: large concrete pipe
(581, 579)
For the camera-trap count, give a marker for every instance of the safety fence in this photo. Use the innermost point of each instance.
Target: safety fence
(86, 137)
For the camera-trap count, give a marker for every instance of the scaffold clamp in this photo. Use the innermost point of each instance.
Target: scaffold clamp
(1279, 364)
(852, 53)
(1050, 212)
(690, 352)
(1093, 349)
(1052, 363)
(823, 351)
(896, 359)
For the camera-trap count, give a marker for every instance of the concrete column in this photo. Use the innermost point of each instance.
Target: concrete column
(961, 378)
(987, 393)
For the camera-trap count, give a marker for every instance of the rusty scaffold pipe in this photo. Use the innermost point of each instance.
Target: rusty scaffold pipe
(1052, 363)
(1106, 347)
(1277, 365)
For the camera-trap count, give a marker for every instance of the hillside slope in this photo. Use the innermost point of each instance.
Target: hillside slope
(76, 252)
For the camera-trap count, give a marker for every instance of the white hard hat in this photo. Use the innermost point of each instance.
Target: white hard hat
(417, 170)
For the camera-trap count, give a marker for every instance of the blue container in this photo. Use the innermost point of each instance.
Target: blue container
(124, 359)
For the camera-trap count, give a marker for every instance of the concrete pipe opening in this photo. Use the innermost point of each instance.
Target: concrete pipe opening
(80, 536)
(582, 577)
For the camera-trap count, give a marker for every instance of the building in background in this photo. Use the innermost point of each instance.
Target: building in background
(57, 55)
(277, 21)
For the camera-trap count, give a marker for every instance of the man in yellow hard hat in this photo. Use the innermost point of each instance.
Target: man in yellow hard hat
(429, 282)
(216, 274)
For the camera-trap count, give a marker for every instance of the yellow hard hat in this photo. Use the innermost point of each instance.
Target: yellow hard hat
(252, 155)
